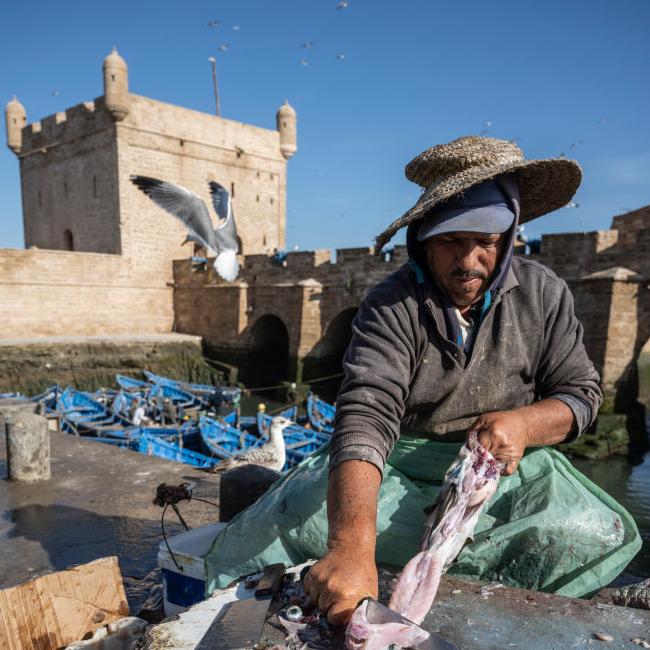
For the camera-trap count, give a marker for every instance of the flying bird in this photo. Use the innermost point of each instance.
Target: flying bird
(573, 204)
(236, 28)
(487, 127)
(308, 44)
(342, 5)
(303, 62)
(190, 209)
(340, 57)
(271, 454)
(223, 47)
(214, 23)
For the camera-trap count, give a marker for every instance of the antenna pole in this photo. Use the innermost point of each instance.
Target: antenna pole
(213, 62)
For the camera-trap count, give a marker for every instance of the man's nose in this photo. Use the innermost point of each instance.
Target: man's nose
(468, 255)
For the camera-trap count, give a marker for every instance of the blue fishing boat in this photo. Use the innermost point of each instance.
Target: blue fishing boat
(224, 440)
(81, 414)
(132, 384)
(180, 398)
(208, 393)
(154, 446)
(320, 414)
(299, 442)
(48, 398)
(294, 434)
(124, 402)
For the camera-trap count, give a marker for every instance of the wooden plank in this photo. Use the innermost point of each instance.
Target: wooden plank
(57, 609)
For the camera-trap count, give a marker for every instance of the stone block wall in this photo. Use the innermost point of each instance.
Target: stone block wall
(190, 148)
(54, 293)
(75, 169)
(68, 171)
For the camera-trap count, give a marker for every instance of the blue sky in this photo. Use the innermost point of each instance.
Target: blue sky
(415, 73)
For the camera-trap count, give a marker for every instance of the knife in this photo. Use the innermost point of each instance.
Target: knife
(240, 625)
(380, 614)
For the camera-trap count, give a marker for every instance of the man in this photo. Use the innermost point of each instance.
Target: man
(467, 338)
(464, 337)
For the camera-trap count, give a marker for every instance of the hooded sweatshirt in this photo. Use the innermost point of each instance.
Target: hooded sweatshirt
(406, 371)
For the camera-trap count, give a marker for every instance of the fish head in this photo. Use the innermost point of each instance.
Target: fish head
(374, 626)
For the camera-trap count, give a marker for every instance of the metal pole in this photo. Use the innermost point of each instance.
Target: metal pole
(213, 61)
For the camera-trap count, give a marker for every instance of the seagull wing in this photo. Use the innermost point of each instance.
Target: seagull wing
(226, 232)
(183, 204)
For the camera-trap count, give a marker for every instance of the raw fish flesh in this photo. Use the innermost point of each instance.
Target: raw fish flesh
(469, 483)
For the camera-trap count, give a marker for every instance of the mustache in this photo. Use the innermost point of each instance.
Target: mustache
(472, 273)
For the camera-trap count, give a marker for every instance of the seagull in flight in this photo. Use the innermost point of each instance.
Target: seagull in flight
(190, 209)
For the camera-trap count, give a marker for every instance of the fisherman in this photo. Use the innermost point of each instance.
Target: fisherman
(139, 415)
(465, 337)
(169, 411)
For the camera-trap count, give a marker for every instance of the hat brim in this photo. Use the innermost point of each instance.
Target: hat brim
(544, 186)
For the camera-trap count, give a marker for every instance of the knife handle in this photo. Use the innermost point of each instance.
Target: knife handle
(271, 579)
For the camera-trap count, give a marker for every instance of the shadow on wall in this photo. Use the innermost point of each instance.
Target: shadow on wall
(326, 357)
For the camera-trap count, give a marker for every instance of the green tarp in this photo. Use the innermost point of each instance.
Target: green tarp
(547, 527)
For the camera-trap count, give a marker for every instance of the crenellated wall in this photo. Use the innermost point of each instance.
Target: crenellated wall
(316, 298)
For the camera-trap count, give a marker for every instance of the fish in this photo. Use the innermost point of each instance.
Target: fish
(468, 485)
(361, 634)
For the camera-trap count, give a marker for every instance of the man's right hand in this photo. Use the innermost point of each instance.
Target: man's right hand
(339, 580)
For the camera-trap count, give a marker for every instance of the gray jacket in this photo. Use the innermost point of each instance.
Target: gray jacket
(403, 374)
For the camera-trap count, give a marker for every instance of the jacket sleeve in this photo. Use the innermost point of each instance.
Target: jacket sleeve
(378, 366)
(565, 372)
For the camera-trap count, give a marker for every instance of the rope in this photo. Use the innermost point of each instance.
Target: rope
(286, 383)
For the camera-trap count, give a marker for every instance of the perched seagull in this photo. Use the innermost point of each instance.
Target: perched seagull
(271, 454)
(191, 210)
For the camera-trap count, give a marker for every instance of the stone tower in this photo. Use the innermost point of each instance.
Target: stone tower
(16, 118)
(75, 168)
(286, 121)
(116, 86)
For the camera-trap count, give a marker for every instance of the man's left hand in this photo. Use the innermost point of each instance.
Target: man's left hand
(505, 435)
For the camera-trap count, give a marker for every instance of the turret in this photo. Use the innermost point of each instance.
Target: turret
(286, 120)
(116, 86)
(16, 118)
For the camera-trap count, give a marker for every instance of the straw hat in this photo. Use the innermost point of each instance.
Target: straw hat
(449, 169)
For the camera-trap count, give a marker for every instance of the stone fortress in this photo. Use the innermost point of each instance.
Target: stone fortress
(102, 260)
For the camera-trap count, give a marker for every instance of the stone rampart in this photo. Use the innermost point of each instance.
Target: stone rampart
(46, 293)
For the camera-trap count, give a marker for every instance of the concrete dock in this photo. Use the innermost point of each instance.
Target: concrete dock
(97, 503)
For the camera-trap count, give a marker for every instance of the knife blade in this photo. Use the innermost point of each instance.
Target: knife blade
(240, 625)
(380, 614)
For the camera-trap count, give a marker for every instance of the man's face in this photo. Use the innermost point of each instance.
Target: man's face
(462, 263)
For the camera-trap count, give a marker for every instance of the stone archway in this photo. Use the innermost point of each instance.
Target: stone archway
(267, 362)
(326, 359)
